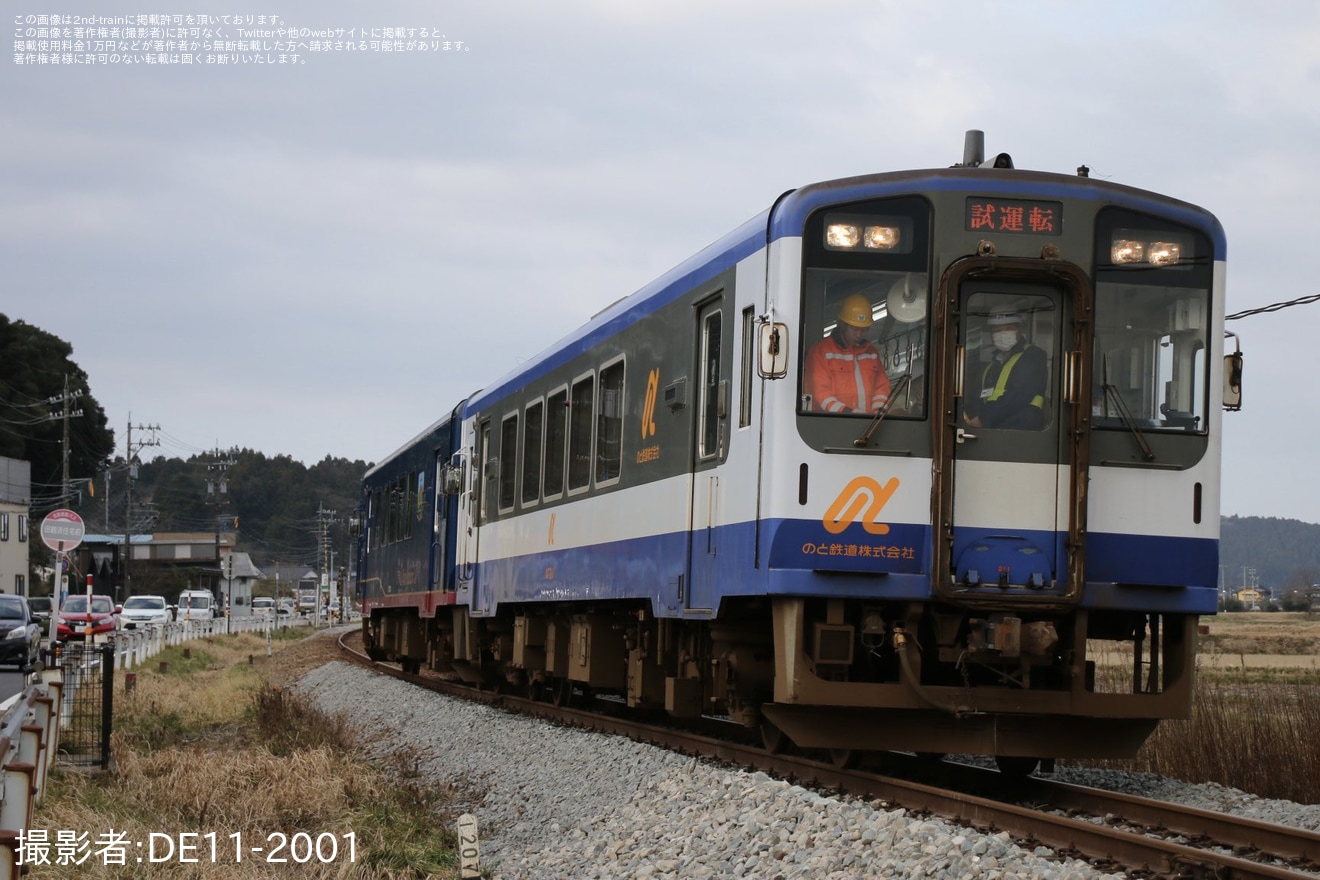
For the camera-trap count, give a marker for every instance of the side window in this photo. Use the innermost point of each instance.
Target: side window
(400, 508)
(508, 461)
(748, 364)
(579, 433)
(4, 527)
(410, 505)
(556, 437)
(373, 530)
(609, 422)
(22, 527)
(482, 480)
(531, 475)
(709, 411)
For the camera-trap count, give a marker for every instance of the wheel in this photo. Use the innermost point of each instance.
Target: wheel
(561, 692)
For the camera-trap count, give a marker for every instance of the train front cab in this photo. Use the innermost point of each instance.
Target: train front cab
(1047, 606)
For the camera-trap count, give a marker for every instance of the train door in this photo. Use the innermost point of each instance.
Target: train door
(710, 446)
(1010, 495)
(439, 520)
(480, 492)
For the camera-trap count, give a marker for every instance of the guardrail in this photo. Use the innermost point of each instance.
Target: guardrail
(133, 647)
(29, 738)
(32, 720)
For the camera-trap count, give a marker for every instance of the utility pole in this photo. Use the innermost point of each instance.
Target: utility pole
(65, 400)
(324, 519)
(130, 458)
(217, 489)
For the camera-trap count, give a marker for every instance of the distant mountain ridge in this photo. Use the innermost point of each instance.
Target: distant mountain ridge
(1272, 554)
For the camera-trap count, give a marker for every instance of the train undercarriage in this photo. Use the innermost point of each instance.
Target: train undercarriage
(835, 674)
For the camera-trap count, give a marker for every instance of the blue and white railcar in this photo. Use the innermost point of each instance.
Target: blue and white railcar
(665, 505)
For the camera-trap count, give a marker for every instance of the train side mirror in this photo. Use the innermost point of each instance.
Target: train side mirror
(773, 360)
(451, 479)
(1233, 381)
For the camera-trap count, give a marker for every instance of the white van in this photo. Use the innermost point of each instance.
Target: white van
(195, 605)
(263, 606)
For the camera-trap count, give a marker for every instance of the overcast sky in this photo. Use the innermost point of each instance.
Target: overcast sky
(319, 258)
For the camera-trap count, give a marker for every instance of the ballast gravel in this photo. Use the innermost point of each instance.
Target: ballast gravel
(556, 803)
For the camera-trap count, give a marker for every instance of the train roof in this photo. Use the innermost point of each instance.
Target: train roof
(786, 218)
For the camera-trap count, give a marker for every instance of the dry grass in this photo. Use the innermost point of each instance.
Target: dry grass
(1273, 634)
(1255, 721)
(214, 744)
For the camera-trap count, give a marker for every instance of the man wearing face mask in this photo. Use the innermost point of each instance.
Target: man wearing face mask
(1012, 388)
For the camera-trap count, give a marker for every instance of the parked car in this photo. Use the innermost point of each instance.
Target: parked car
(287, 607)
(20, 634)
(196, 605)
(41, 608)
(263, 606)
(145, 611)
(75, 617)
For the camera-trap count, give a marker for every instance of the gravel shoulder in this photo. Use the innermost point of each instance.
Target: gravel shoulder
(563, 803)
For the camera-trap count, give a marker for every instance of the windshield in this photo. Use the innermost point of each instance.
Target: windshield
(140, 602)
(865, 331)
(39, 604)
(1150, 357)
(195, 601)
(11, 609)
(78, 605)
(1152, 321)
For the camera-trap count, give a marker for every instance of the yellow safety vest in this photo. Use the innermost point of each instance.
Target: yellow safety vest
(1038, 401)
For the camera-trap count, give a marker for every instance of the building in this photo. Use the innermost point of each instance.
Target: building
(236, 585)
(15, 509)
(163, 564)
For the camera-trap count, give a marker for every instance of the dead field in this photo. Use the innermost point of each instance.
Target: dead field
(1259, 639)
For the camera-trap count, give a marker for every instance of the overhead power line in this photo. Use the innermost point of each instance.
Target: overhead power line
(1275, 307)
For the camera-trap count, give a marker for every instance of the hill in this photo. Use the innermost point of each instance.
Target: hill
(1278, 555)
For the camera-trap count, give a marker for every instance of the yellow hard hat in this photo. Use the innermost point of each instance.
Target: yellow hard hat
(856, 311)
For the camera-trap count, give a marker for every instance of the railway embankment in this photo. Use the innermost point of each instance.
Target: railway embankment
(221, 770)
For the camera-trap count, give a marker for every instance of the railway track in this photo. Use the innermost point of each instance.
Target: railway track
(1114, 831)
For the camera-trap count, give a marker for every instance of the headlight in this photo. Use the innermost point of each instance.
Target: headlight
(842, 235)
(881, 238)
(15, 633)
(846, 232)
(1154, 248)
(1164, 253)
(1127, 250)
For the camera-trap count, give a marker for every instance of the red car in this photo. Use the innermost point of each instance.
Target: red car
(74, 617)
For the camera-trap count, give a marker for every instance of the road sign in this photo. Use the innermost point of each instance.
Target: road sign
(62, 530)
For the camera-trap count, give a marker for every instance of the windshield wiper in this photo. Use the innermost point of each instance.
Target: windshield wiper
(899, 387)
(1125, 415)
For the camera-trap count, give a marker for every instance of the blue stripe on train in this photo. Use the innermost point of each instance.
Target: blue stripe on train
(1123, 571)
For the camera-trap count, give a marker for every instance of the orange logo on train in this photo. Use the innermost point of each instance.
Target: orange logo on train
(863, 499)
(648, 411)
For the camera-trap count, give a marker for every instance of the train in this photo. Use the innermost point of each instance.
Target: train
(783, 485)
